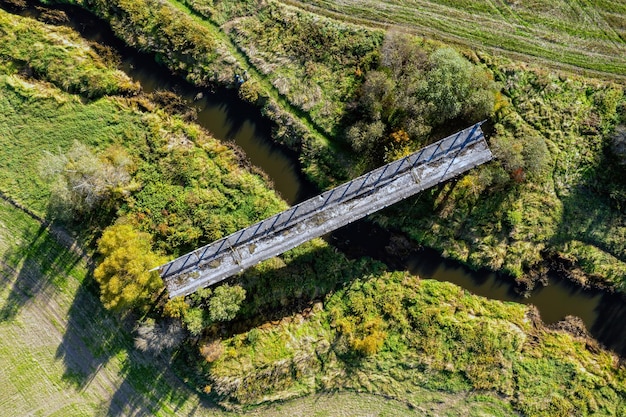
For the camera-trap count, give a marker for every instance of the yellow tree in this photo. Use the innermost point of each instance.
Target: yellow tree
(124, 274)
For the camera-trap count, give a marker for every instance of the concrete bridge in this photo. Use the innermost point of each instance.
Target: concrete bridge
(330, 210)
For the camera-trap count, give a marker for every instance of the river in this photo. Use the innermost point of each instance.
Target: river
(230, 119)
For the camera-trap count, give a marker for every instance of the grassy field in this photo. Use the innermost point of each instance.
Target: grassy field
(62, 354)
(586, 36)
(402, 337)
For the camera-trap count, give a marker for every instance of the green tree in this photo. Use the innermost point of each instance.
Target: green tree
(124, 275)
(225, 302)
(413, 93)
(455, 87)
(195, 320)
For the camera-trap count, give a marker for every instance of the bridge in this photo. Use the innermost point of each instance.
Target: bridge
(328, 211)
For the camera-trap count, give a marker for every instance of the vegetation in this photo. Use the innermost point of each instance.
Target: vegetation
(411, 93)
(125, 275)
(85, 183)
(164, 176)
(60, 57)
(552, 192)
(311, 320)
(394, 334)
(576, 36)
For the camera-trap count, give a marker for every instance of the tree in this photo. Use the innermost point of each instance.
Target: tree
(85, 181)
(124, 274)
(455, 87)
(225, 302)
(413, 93)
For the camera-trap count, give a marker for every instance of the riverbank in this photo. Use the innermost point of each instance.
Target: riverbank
(356, 336)
(552, 138)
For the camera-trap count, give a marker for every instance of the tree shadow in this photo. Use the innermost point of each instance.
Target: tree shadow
(282, 287)
(595, 221)
(611, 312)
(38, 264)
(149, 386)
(91, 338)
(142, 385)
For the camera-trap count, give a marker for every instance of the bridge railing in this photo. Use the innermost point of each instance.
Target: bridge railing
(359, 186)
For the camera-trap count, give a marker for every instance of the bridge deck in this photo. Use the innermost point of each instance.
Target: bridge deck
(330, 210)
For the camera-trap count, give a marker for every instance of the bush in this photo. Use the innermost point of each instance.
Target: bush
(124, 275)
(413, 93)
(226, 302)
(86, 182)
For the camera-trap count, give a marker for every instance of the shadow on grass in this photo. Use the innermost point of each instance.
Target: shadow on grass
(149, 387)
(607, 329)
(38, 264)
(594, 215)
(98, 348)
(591, 220)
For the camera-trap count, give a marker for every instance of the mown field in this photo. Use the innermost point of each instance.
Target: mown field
(580, 36)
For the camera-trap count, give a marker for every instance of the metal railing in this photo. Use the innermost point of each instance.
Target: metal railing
(366, 183)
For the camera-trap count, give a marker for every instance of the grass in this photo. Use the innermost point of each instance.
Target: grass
(436, 338)
(36, 118)
(557, 131)
(572, 35)
(421, 342)
(317, 76)
(191, 188)
(61, 57)
(62, 353)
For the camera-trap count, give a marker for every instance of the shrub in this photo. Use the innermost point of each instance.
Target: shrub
(226, 302)
(124, 275)
(400, 103)
(86, 182)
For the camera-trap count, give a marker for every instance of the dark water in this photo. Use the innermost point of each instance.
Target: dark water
(220, 111)
(604, 314)
(230, 119)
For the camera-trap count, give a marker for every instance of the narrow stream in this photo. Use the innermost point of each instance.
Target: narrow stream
(221, 111)
(604, 314)
(230, 119)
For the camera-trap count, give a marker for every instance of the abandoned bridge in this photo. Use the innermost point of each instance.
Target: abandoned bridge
(328, 211)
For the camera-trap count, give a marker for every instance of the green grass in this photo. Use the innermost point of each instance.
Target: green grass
(315, 63)
(574, 35)
(436, 340)
(60, 56)
(421, 342)
(36, 118)
(191, 188)
(557, 131)
(62, 353)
